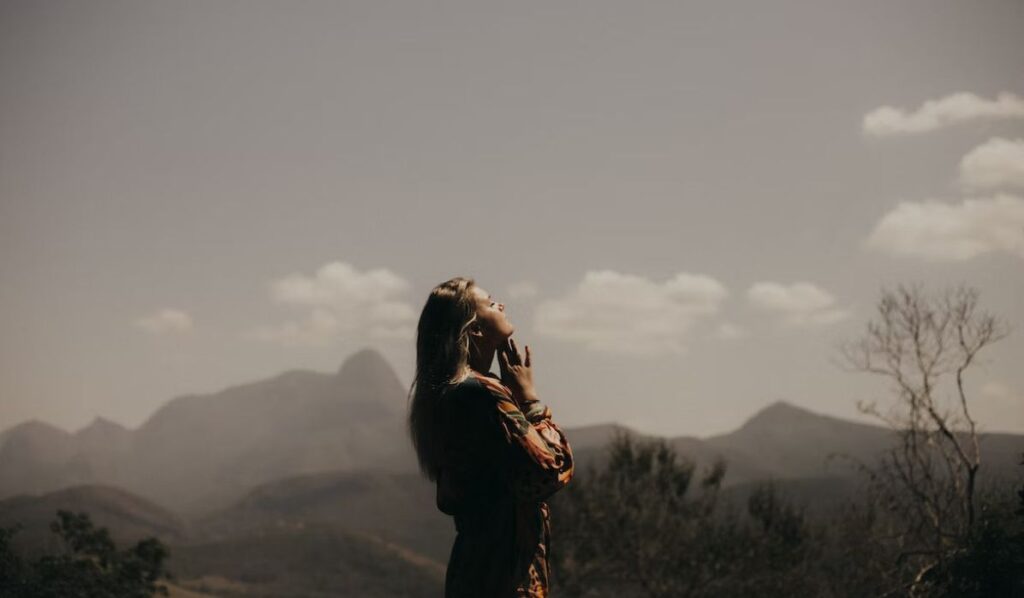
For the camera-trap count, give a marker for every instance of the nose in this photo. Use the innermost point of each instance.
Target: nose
(501, 306)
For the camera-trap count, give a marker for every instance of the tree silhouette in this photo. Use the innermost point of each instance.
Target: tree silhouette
(925, 344)
(647, 525)
(90, 566)
(643, 524)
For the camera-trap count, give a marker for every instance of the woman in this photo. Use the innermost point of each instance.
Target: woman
(487, 442)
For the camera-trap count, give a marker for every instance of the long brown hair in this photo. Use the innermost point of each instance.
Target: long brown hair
(442, 355)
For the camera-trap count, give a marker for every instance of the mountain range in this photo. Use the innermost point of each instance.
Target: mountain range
(200, 453)
(237, 480)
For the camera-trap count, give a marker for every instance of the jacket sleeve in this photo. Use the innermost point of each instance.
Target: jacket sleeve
(541, 458)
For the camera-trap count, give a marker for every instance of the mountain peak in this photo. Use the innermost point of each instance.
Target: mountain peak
(101, 426)
(45, 442)
(37, 427)
(366, 361)
(780, 413)
(366, 378)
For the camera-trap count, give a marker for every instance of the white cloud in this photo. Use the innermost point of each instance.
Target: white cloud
(628, 314)
(996, 163)
(800, 303)
(343, 302)
(165, 321)
(952, 232)
(523, 290)
(798, 297)
(338, 284)
(936, 114)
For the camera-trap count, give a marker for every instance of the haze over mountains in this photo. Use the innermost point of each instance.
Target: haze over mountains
(321, 462)
(200, 453)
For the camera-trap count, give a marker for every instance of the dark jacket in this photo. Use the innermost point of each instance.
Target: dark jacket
(502, 459)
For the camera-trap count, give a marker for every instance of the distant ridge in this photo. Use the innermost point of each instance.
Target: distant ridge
(34, 457)
(202, 452)
(34, 429)
(102, 432)
(398, 507)
(127, 516)
(784, 413)
(101, 425)
(601, 434)
(199, 451)
(784, 441)
(779, 412)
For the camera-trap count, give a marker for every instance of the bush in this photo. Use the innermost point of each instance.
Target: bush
(646, 525)
(90, 567)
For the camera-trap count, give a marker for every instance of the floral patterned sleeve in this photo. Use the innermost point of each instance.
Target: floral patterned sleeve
(542, 461)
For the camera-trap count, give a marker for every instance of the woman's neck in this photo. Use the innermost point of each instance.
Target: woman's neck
(480, 360)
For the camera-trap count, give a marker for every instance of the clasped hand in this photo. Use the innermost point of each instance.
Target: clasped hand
(516, 372)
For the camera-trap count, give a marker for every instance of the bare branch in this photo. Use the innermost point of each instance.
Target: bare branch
(924, 344)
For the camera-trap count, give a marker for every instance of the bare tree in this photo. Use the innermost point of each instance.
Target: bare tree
(924, 344)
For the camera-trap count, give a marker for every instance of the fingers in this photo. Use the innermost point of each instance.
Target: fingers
(502, 363)
(515, 352)
(527, 362)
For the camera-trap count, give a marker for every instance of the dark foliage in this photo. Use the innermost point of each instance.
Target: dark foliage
(91, 566)
(989, 563)
(647, 525)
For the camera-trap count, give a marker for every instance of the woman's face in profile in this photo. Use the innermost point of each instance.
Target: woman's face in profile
(490, 315)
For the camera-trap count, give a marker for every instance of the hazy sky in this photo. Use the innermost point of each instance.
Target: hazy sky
(685, 206)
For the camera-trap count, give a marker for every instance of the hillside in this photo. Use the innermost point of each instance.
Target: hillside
(200, 454)
(306, 560)
(211, 449)
(397, 507)
(128, 517)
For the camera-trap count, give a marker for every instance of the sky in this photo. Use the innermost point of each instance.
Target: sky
(686, 207)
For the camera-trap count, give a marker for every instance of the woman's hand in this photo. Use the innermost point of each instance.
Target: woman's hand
(516, 372)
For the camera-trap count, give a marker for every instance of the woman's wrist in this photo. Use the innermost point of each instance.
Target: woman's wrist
(527, 395)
